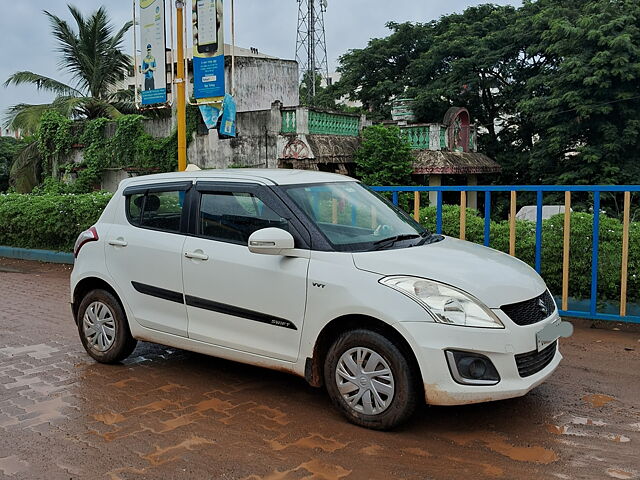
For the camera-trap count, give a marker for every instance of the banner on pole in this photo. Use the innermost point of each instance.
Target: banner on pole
(208, 51)
(153, 57)
(228, 117)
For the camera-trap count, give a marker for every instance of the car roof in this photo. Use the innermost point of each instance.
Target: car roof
(267, 176)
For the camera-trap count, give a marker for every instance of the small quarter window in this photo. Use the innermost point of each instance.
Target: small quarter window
(135, 205)
(234, 216)
(156, 210)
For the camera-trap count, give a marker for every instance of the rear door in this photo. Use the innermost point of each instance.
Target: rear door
(237, 299)
(144, 254)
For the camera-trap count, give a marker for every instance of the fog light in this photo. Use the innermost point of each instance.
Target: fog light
(470, 368)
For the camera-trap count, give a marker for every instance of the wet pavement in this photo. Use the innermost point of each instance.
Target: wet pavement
(167, 413)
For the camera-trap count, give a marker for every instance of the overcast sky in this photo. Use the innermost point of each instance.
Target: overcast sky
(269, 25)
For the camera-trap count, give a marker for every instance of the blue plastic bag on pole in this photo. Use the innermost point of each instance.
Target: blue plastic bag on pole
(228, 120)
(210, 115)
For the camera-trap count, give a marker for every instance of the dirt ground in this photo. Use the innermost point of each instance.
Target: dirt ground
(168, 413)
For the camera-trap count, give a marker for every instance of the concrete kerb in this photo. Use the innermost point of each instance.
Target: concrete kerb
(37, 255)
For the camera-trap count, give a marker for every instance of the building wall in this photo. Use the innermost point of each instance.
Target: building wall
(262, 81)
(255, 146)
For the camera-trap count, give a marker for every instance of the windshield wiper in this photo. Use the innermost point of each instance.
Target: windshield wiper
(389, 241)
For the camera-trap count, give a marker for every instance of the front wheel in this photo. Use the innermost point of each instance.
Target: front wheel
(103, 327)
(370, 380)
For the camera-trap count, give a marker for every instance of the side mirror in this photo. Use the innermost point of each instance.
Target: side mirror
(271, 241)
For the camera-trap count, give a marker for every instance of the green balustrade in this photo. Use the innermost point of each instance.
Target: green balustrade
(322, 123)
(288, 121)
(443, 138)
(418, 136)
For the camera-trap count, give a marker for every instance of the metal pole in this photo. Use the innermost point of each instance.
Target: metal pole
(172, 56)
(233, 50)
(180, 91)
(311, 92)
(135, 56)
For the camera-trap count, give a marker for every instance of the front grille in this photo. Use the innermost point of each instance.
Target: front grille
(532, 362)
(531, 311)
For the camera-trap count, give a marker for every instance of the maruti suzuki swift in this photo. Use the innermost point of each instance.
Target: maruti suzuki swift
(315, 274)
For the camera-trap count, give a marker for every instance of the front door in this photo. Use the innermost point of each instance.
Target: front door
(237, 299)
(143, 251)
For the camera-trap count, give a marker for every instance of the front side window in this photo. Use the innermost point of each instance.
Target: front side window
(234, 216)
(156, 210)
(353, 218)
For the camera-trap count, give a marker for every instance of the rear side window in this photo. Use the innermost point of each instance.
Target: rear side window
(156, 210)
(234, 216)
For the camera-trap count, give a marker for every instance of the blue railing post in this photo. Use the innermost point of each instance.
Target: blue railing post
(539, 231)
(439, 212)
(591, 311)
(487, 218)
(395, 198)
(594, 253)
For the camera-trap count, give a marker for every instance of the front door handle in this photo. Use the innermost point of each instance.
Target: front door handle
(197, 255)
(117, 242)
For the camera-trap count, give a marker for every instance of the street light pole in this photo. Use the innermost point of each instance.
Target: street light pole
(180, 90)
(233, 50)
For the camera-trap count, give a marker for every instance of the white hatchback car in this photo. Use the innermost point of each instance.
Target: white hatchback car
(314, 274)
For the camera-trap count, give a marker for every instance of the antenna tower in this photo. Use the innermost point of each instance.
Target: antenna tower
(311, 44)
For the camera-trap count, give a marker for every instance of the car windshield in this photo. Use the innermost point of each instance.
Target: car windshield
(354, 218)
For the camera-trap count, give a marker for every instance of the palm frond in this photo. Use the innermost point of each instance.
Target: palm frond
(24, 117)
(42, 83)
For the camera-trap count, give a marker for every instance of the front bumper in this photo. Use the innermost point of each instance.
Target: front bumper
(430, 340)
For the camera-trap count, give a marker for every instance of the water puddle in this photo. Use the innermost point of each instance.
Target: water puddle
(315, 468)
(109, 418)
(499, 444)
(618, 438)
(598, 400)
(313, 441)
(174, 452)
(619, 473)
(12, 465)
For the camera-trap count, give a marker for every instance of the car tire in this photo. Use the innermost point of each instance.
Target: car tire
(355, 366)
(103, 327)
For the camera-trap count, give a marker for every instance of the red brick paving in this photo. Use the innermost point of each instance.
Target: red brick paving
(167, 413)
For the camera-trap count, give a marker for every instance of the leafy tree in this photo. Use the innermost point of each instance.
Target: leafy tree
(9, 147)
(377, 73)
(323, 98)
(384, 157)
(92, 54)
(553, 84)
(586, 103)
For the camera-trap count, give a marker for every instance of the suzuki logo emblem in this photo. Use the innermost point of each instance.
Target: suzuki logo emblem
(543, 307)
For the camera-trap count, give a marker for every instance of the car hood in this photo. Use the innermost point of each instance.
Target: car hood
(493, 277)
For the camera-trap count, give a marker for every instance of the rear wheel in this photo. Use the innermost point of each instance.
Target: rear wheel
(370, 379)
(103, 327)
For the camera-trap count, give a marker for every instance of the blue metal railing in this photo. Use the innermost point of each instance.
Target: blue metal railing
(539, 190)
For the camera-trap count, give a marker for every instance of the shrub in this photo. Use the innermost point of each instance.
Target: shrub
(49, 221)
(610, 247)
(384, 157)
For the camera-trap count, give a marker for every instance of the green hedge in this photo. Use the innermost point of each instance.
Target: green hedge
(53, 221)
(610, 248)
(49, 221)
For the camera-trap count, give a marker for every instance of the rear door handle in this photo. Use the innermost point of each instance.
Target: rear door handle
(197, 255)
(118, 242)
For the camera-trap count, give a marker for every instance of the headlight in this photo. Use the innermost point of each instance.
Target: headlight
(445, 304)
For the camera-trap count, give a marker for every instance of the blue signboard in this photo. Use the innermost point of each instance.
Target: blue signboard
(208, 77)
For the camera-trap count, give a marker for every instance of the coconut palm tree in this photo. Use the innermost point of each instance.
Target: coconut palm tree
(92, 54)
